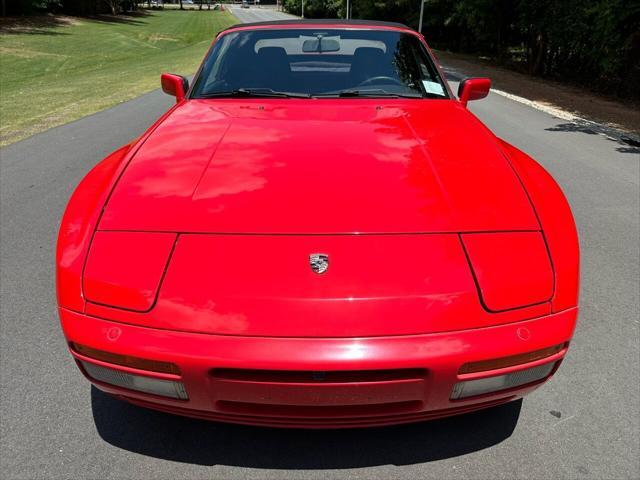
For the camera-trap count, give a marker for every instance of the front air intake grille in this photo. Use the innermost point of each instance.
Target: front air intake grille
(295, 376)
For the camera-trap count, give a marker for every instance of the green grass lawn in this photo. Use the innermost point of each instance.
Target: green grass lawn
(57, 69)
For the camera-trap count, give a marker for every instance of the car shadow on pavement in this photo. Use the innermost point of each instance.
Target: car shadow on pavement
(200, 442)
(630, 142)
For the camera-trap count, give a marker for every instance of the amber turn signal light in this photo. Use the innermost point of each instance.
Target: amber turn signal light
(503, 362)
(126, 360)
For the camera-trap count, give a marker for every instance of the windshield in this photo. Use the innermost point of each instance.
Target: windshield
(319, 63)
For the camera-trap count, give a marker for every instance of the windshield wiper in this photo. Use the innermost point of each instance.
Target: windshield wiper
(254, 92)
(377, 93)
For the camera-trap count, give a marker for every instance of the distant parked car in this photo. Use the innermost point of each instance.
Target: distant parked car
(245, 4)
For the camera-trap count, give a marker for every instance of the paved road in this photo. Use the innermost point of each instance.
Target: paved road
(584, 423)
(262, 14)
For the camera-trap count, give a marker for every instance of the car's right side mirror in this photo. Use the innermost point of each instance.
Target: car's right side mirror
(473, 89)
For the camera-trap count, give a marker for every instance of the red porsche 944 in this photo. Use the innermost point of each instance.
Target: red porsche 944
(318, 234)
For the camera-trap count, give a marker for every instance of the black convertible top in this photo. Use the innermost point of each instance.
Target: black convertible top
(333, 21)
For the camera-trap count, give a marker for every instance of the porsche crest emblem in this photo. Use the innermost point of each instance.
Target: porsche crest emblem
(319, 262)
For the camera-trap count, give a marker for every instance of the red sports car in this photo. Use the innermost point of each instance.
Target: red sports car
(318, 234)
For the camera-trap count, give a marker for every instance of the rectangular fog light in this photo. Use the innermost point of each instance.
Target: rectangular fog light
(165, 388)
(471, 388)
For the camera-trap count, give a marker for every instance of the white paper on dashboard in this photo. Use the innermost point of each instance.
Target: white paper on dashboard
(433, 87)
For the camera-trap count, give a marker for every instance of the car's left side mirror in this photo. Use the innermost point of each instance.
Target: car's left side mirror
(174, 85)
(473, 89)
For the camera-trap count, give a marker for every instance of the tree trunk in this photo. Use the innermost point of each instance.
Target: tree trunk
(113, 6)
(539, 50)
(181, 7)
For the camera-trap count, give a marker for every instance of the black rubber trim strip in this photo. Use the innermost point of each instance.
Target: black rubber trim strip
(308, 22)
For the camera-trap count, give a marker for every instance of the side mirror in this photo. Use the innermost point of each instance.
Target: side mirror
(473, 89)
(174, 85)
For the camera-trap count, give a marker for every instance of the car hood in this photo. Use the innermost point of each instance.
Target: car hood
(319, 167)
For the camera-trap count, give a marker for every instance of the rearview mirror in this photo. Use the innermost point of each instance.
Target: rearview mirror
(473, 89)
(320, 45)
(174, 85)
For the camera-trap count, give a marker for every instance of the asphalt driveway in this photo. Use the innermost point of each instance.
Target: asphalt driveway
(584, 423)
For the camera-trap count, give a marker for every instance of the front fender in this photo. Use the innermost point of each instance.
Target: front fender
(78, 225)
(81, 218)
(558, 225)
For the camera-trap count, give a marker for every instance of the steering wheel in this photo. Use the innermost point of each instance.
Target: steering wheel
(381, 79)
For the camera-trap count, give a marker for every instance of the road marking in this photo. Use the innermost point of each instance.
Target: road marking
(457, 76)
(612, 131)
(542, 106)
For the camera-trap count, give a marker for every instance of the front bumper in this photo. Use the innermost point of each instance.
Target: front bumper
(320, 383)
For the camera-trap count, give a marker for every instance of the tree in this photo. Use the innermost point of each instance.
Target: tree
(18, 7)
(114, 6)
(591, 42)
